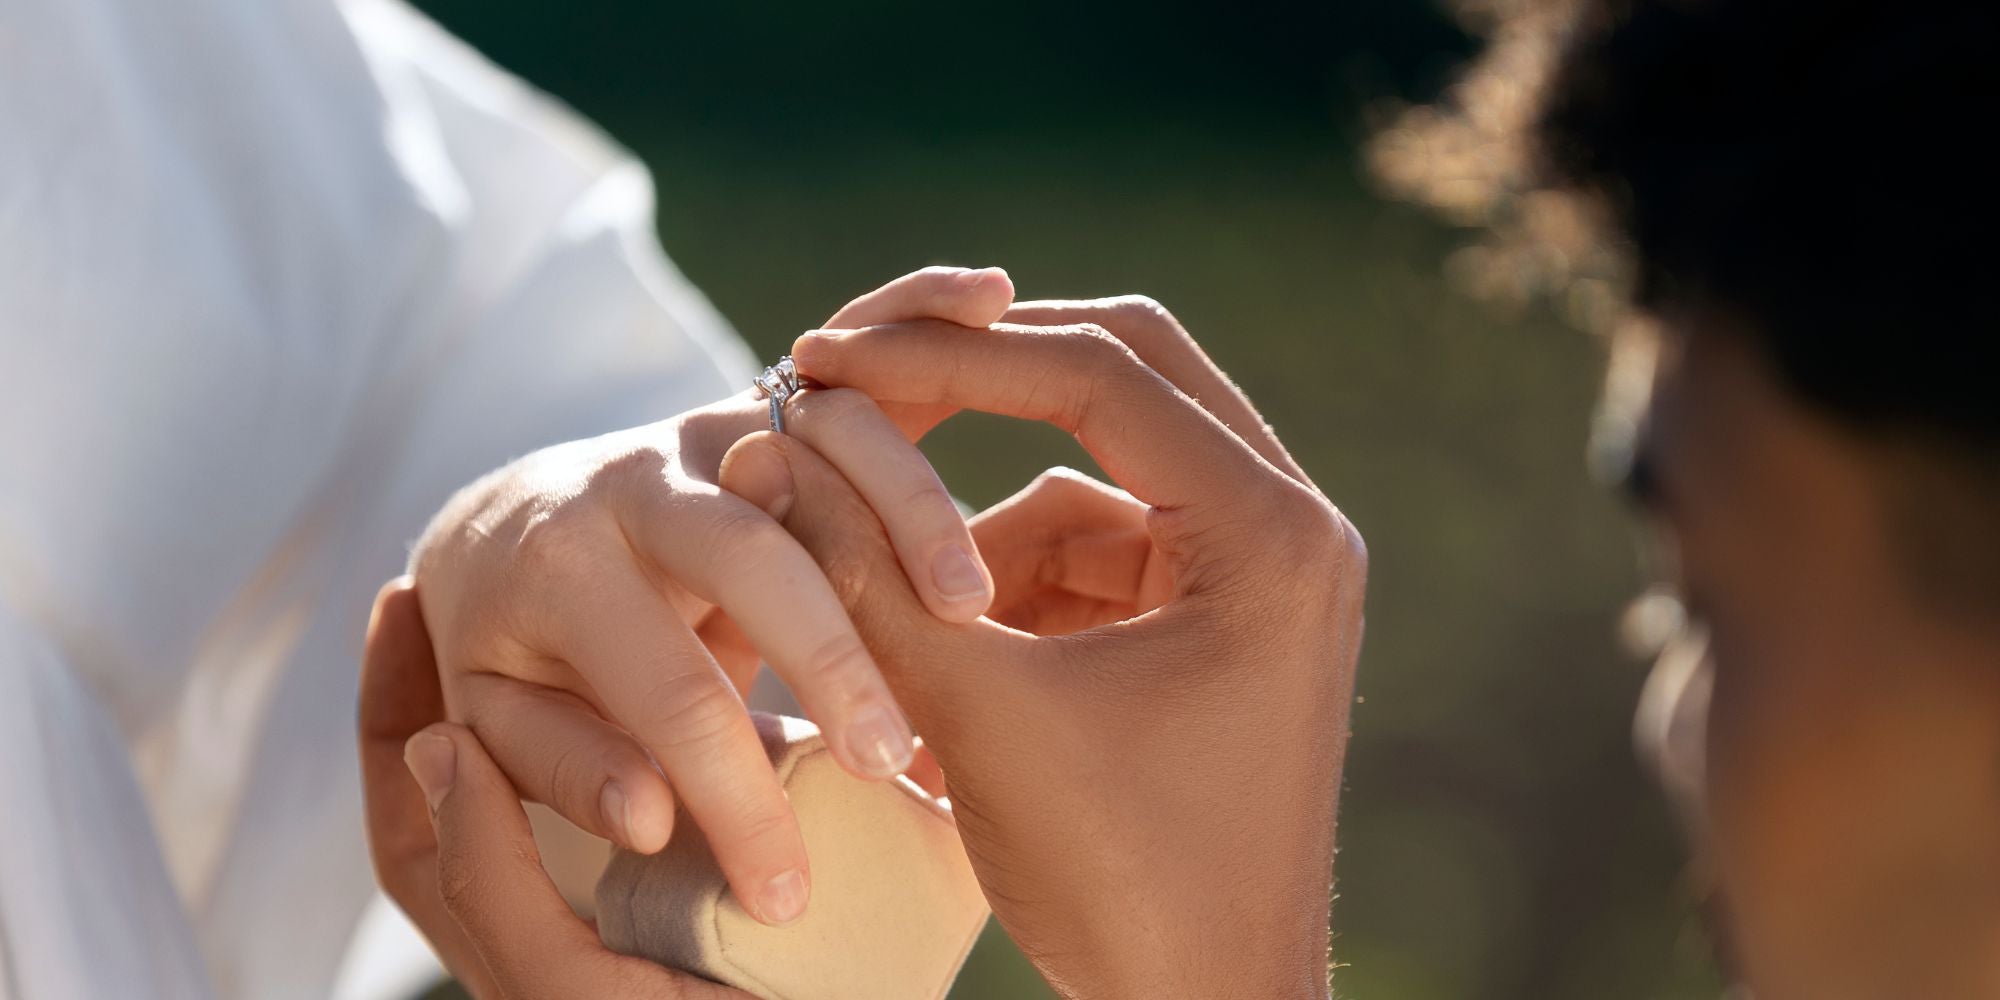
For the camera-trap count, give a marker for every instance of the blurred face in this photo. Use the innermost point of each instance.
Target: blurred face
(1846, 770)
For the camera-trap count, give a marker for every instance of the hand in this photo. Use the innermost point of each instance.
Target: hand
(598, 606)
(1068, 553)
(1149, 804)
(454, 850)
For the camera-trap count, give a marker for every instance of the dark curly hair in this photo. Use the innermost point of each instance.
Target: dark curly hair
(1811, 167)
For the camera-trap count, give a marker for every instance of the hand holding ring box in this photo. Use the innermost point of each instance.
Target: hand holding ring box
(894, 909)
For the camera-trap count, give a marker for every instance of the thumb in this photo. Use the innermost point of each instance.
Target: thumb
(968, 297)
(919, 654)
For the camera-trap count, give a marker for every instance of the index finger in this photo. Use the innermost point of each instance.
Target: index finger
(1165, 346)
(1159, 444)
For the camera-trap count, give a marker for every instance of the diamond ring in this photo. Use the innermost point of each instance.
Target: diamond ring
(778, 383)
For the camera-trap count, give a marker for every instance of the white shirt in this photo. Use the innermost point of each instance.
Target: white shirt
(276, 276)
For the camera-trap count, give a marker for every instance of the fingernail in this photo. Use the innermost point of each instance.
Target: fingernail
(880, 741)
(957, 577)
(783, 899)
(977, 277)
(829, 336)
(617, 811)
(433, 761)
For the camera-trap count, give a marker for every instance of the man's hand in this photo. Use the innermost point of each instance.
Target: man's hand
(597, 607)
(453, 847)
(1149, 803)
(1068, 553)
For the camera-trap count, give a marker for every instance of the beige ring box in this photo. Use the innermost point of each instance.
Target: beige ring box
(894, 908)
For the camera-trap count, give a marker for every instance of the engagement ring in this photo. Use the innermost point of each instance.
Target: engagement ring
(778, 384)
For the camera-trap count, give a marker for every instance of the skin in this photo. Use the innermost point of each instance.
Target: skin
(1852, 737)
(1133, 731)
(598, 606)
(1837, 742)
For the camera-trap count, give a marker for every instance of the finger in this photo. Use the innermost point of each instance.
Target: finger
(1070, 532)
(1165, 346)
(490, 876)
(560, 751)
(654, 678)
(1052, 611)
(399, 696)
(929, 534)
(729, 552)
(832, 520)
(1157, 443)
(968, 297)
(972, 298)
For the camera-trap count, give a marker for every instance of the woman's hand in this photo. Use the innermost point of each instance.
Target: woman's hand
(598, 606)
(454, 850)
(1149, 804)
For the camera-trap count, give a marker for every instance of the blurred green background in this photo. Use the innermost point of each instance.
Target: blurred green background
(1497, 838)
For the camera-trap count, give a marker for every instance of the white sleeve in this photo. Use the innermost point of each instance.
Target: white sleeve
(278, 277)
(86, 908)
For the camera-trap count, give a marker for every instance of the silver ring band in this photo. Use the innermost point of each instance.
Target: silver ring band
(779, 384)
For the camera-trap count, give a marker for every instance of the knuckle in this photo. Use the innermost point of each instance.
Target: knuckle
(638, 466)
(745, 541)
(766, 825)
(1352, 550)
(462, 882)
(694, 709)
(1107, 356)
(1098, 362)
(560, 541)
(1061, 483)
(1139, 316)
(927, 496)
(838, 667)
(830, 408)
(1307, 521)
(1057, 478)
(576, 777)
(1305, 515)
(850, 581)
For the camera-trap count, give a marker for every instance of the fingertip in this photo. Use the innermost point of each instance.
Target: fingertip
(993, 281)
(813, 352)
(757, 469)
(431, 754)
(641, 813)
(984, 296)
(395, 588)
(775, 890)
(782, 899)
(878, 741)
(397, 599)
(962, 584)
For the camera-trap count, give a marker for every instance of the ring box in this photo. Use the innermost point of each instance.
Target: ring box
(894, 908)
